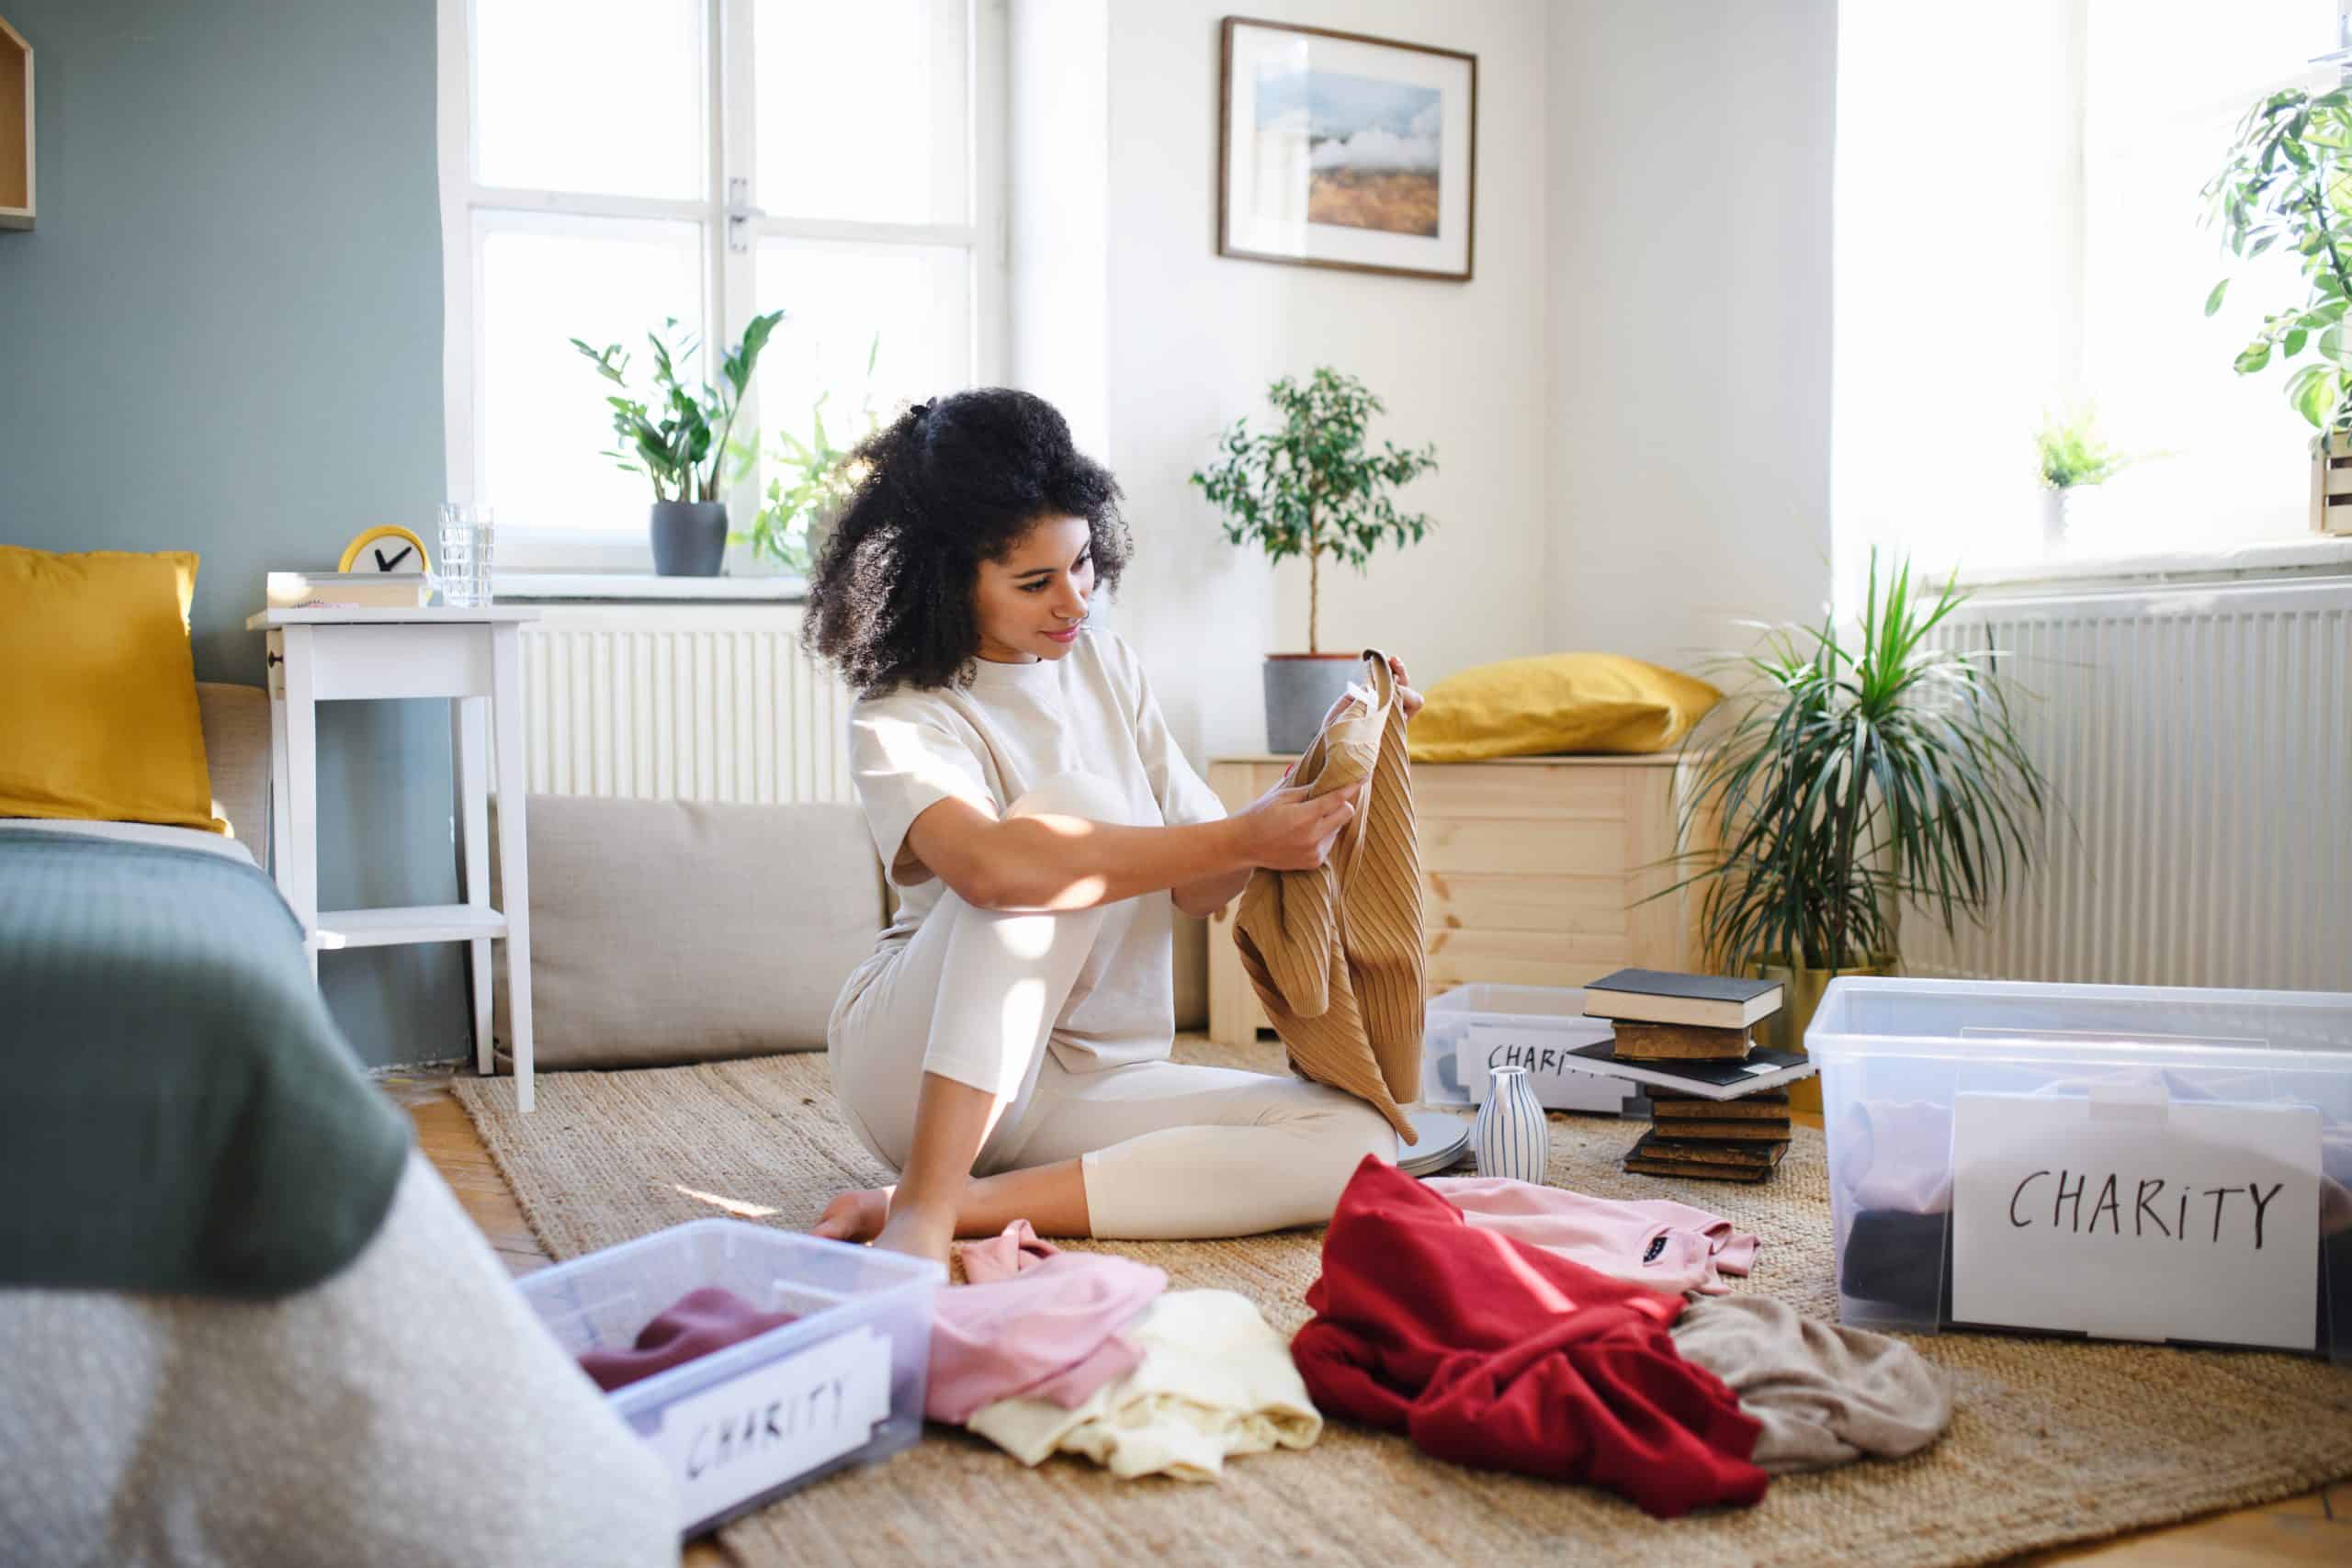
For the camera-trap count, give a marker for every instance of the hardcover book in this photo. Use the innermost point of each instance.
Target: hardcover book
(1764, 1068)
(1658, 995)
(1678, 1041)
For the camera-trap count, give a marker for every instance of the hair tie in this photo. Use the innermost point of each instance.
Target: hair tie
(921, 411)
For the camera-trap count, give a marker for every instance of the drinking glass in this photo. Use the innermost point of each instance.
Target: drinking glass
(469, 543)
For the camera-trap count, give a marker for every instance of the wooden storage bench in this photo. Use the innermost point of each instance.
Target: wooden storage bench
(1530, 871)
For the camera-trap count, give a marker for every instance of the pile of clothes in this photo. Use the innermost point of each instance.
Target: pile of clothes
(1497, 1324)
(1491, 1351)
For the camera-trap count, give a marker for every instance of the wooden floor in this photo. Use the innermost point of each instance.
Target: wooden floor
(2314, 1529)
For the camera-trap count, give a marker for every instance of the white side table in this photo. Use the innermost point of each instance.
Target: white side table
(472, 657)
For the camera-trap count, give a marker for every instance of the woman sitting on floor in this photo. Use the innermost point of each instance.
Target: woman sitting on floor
(1005, 1048)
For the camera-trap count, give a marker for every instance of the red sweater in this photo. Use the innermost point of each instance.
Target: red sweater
(1495, 1354)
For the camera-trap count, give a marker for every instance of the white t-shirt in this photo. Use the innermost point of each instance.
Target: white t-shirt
(1015, 727)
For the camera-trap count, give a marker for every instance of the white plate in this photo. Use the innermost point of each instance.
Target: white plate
(1445, 1140)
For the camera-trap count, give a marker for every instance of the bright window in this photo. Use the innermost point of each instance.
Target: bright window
(609, 164)
(2020, 229)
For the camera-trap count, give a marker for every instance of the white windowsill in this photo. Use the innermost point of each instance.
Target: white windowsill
(2316, 555)
(611, 587)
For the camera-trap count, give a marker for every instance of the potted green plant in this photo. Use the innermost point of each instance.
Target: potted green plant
(2072, 455)
(680, 440)
(1310, 487)
(2287, 180)
(1844, 779)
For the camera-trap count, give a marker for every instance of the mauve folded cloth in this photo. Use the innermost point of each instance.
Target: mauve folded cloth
(1824, 1394)
(696, 1323)
(1049, 1329)
(1003, 1257)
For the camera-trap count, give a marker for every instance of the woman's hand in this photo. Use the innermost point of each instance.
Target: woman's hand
(1406, 699)
(1286, 830)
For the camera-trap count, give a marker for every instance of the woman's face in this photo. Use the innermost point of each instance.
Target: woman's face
(1031, 605)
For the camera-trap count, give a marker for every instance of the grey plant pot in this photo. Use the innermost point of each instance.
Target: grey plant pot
(1300, 689)
(689, 537)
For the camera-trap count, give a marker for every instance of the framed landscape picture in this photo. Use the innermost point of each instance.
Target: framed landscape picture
(1339, 149)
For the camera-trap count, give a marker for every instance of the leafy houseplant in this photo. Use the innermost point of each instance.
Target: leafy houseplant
(814, 479)
(681, 439)
(1310, 487)
(1851, 777)
(2288, 180)
(2072, 453)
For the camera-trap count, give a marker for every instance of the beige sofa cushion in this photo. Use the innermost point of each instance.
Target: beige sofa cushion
(668, 931)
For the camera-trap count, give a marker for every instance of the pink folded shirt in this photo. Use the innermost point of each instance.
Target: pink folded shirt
(1035, 1323)
(1653, 1241)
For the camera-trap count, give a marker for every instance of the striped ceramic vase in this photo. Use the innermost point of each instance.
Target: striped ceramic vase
(1510, 1137)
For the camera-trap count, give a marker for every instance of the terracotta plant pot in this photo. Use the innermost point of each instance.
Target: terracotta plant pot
(1785, 1029)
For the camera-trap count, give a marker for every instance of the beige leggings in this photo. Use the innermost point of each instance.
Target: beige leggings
(1168, 1151)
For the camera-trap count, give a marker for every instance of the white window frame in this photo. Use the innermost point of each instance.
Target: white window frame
(727, 270)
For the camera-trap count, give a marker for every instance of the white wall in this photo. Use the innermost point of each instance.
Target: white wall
(1630, 399)
(1057, 242)
(1690, 151)
(1195, 337)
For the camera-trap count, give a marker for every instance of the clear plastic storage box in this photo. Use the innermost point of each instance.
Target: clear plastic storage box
(1472, 1028)
(2124, 1162)
(748, 1423)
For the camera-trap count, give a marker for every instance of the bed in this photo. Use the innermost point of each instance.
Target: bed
(261, 1329)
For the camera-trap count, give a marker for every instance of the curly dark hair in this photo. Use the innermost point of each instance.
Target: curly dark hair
(948, 485)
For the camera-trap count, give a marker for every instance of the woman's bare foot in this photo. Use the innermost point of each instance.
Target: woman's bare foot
(855, 1216)
(924, 1231)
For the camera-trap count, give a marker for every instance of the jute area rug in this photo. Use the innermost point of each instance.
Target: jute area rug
(2054, 1441)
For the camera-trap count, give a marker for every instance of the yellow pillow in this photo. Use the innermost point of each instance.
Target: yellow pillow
(1557, 702)
(97, 689)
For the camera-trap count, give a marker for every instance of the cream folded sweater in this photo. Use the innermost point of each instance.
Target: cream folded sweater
(1216, 1381)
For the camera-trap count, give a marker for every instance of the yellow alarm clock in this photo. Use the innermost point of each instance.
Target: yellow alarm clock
(388, 547)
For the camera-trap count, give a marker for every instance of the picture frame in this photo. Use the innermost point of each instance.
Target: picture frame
(1341, 150)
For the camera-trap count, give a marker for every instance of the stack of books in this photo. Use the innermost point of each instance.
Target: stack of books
(1719, 1104)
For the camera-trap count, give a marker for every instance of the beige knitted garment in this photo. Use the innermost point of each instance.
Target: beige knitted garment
(1336, 952)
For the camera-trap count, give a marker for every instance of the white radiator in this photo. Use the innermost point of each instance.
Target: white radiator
(701, 702)
(2199, 742)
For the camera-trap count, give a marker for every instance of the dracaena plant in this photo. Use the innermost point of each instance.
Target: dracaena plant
(1853, 776)
(1310, 486)
(2287, 182)
(680, 439)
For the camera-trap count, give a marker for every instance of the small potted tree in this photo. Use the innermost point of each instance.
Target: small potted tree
(681, 440)
(1310, 487)
(1850, 778)
(2284, 183)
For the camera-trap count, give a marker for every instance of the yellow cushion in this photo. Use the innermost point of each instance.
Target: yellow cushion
(1557, 702)
(98, 719)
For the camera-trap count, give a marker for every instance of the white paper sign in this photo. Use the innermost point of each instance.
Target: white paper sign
(761, 1429)
(2137, 1219)
(1545, 1053)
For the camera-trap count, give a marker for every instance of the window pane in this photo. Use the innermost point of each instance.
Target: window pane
(602, 96)
(2224, 455)
(863, 110)
(539, 406)
(909, 306)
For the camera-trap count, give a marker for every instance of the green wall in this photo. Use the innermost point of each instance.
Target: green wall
(224, 335)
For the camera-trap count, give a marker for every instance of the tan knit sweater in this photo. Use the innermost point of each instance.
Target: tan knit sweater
(1336, 952)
